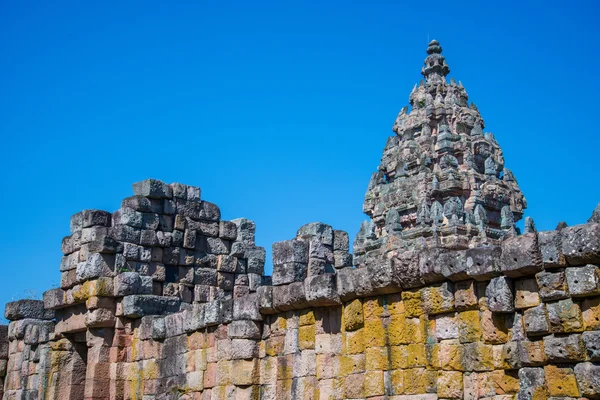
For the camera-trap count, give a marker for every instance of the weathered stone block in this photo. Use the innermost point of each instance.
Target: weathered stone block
(591, 343)
(346, 287)
(482, 262)
(564, 316)
(552, 285)
(321, 290)
(527, 293)
(244, 349)
(137, 306)
(289, 297)
(583, 281)
(316, 230)
(561, 381)
(340, 241)
(128, 283)
(590, 309)
(531, 353)
(521, 256)
(153, 189)
(96, 266)
(536, 320)
(244, 329)
(581, 244)
(288, 273)
(500, 295)
(265, 299)
(406, 270)
(567, 348)
(247, 307)
(438, 299)
(54, 299)
(533, 384)
(454, 265)
(550, 243)
(588, 379)
(22, 309)
(290, 251)
(465, 295)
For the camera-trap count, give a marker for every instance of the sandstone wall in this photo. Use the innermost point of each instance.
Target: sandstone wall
(162, 299)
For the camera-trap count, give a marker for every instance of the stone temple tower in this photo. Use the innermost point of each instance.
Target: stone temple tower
(442, 181)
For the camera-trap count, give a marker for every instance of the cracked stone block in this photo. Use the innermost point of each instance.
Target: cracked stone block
(552, 285)
(128, 283)
(564, 348)
(581, 244)
(500, 295)
(521, 256)
(583, 281)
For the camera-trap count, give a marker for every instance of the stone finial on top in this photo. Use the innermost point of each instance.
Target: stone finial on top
(435, 68)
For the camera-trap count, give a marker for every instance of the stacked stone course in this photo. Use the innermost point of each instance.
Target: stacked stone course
(442, 297)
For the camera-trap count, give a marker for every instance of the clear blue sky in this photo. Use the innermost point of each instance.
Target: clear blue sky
(278, 110)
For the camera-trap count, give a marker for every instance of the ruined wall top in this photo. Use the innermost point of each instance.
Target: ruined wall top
(442, 181)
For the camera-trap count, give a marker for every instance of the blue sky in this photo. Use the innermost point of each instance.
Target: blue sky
(278, 110)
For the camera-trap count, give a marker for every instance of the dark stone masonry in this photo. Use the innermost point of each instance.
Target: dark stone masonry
(441, 298)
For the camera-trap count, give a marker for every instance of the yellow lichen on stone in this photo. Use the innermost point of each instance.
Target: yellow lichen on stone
(351, 364)
(561, 381)
(306, 337)
(377, 359)
(416, 381)
(373, 308)
(374, 384)
(591, 313)
(353, 316)
(416, 356)
(395, 305)
(450, 384)
(354, 342)
(469, 326)
(506, 382)
(307, 317)
(244, 372)
(274, 345)
(398, 357)
(412, 303)
(397, 380)
(374, 333)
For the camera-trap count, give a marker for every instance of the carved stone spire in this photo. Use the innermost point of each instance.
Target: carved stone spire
(435, 68)
(442, 180)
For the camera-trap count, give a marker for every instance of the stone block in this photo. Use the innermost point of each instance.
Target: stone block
(581, 244)
(583, 281)
(128, 283)
(469, 326)
(521, 256)
(137, 306)
(561, 381)
(265, 299)
(227, 230)
(321, 291)
(438, 299)
(23, 309)
(244, 329)
(446, 326)
(290, 251)
(531, 353)
(381, 277)
(54, 299)
(97, 265)
(564, 316)
(536, 320)
(450, 384)
(495, 327)
(225, 280)
(289, 272)
(477, 357)
(550, 243)
(245, 230)
(316, 230)
(100, 318)
(590, 309)
(243, 349)
(245, 372)
(256, 257)
(340, 241)
(430, 267)
(500, 295)
(552, 285)
(591, 343)
(465, 295)
(454, 265)
(527, 293)
(406, 270)
(564, 348)
(289, 297)
(247, 308)
(205, 277)
(153, 189)
(532, 384)
(588, 379)
(482, 262)
(346, 286)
